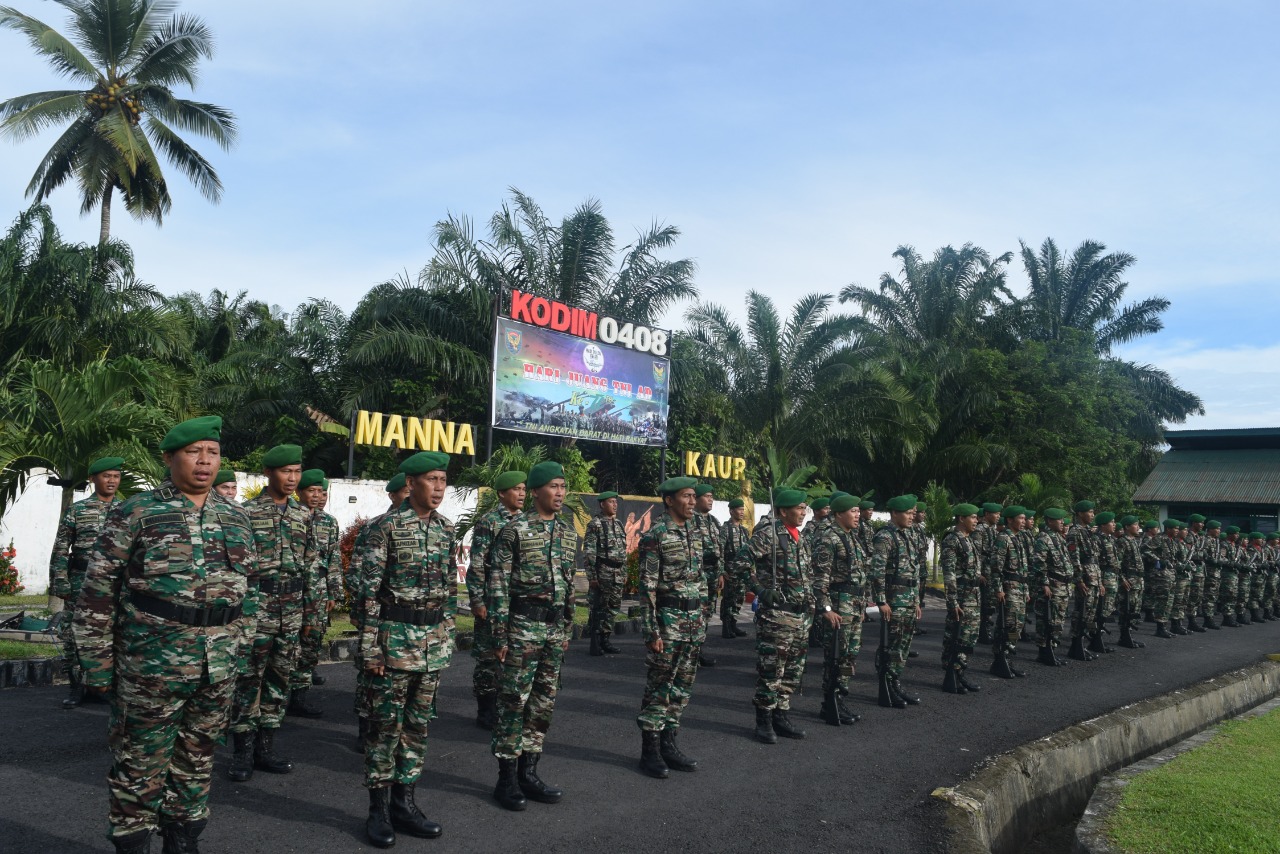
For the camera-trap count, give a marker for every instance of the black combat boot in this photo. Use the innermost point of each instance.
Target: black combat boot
(1243, 618)
(507, 792)
(378, 827)
(1176, 627)
(317, 679)
(846, 717)
(606, 644)
(241, 768)
(407, 818)
(531, 785)
(1047, 657)
(669, 748)
(1126, 635)
(1194, 625)
(737, 632)
(1077, 651)
(75, 687)
(264, 754)
(182, 837)
(895, 684)
(726, 630)
(830, 712)
(299, 707)
(1256, 613)
(1208, 621)
(1229, 619)
(706, 660)
(487, 711)
(950, 684)
(595, 644)
(965, 683)
(1097, 645)
(651, 756)
(1162, 630)
(782, 725)
(1013, 650)
(135, 843)
(764, 726)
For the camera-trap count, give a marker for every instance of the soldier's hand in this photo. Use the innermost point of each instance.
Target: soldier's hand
(1000, 596)
(501, 654)
(1082, 587)
(1048, 594)
(480, 612)
(982, 580)
(720, 583)
(919, 612)
(833, 618)
(957, 612)
(376, 669)
(655, 645)
(885, 611)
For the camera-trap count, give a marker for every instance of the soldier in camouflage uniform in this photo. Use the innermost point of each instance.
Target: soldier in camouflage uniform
(984, 541)
(1009, 572)
(531, 607)
(1250, 587)
(839, 588)
(1272, 552)
(322, 594)
(158, 625)
(77, 532)
(604, 557)
(961, 569)
(1210, 556)
(282, 539)
(1181, 579)
(511, 490)
(1132, 574)
(673, 588)
(1160, 556)
(813, 529)
(920, 531)
(894, 579)
(710, 528)
(224, 483)
(1229, 563)
(733, 545)
(409, 603)
(1087, 588)
(781, 577)
(1052, 577)
(1195, 540)
(1105, 547)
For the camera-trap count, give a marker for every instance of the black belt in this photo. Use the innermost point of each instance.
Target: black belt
(680, 603)
(1009, 576)
(185, 614)
(789, 607)
(276, 587)
(845, 587)
(412, 616)
(549, 614)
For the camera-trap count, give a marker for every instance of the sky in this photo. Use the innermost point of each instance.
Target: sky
(796, 145)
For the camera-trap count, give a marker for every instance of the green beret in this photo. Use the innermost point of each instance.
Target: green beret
(840, 493)
(1255, 535)
(787, 498)
(1232, 529)
(311, 477)
(425, 461)
(1212, 524)
(922, 506)
(672, 485)
(1014, 510)
(105, 464)
(843, 503)
(736, 503)
(1055, 513)
(1171, 523)
(901, 503)
(282, 455)
(325, 484)
(605, 496)
(1083, 506)
(702, 489)
(1149, 524)
(866, 505)
(205, 428)
(508, 479)
(965, 510)
(544, 472)
(1195, 517)
(1222, 535)
(224, 476)
(991, 507)
(819, 503)
(396, 483)
(1126, 521)
(1104, 518)
(1273, 536)
(1031, 513)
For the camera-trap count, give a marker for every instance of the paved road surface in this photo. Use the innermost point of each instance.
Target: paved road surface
(859, 788)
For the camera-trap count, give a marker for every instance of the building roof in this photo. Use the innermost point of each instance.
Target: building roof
(1250, 476)
(1213, 440)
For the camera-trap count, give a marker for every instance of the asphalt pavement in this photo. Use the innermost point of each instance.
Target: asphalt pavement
(859, 788)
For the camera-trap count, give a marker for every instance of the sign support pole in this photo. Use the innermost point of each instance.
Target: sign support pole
(662, 466)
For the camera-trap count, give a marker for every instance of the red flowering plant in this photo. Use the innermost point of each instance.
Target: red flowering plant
(9, 583)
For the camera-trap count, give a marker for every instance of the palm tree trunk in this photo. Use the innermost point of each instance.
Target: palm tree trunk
(105, 234)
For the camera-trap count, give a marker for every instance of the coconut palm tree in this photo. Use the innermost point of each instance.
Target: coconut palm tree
(126, 54)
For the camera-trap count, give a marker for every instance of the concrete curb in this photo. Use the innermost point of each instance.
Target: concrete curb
(1091, 837)
(1047, 783)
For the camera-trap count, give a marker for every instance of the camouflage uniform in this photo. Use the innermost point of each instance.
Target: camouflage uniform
(1250, 586)
(1129, 602)
(1052, 567)
(1084, 569)
(531, 606)
(604, 558)
(1229, 566)
(484, 679)
(894, 579)
(984, 543)
(673, 590)
(282, 540)
(409, 603)
(77, 532)
(1273, 580)
(1010, 570)
(781, 572)
(839, 581)
(1159, 554)
(733, 545)
(960, 569)
(1210, 552)
(324, 587)
(709, 527)
(159, 620)
(1105, 548)
(1181, 578)
(355, 596)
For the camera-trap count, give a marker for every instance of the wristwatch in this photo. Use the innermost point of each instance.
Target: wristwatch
(827, 608)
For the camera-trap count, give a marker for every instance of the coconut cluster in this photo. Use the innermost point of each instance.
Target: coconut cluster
(107, 96)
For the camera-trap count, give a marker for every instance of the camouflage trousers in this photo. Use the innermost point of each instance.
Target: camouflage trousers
(1181, 587)
(733, 597)
(1084, 607)
(1257, 584)
(782, 648)
(668, 684)
(1270, 593)
(1195, 588)
(309, 642)
(395, 745)
(488, 670)
(607, 598)
(1243, 583)
(1148, 590)
(262, 688)
(162, 738)
(840, 658)
(1227, 591)
(1051, 611)
(902, 627)
(959, 636)
(528, 688)
(709, 606)
(1160, 593)
(1107, 601)
(1212, 584)
(362, 683)
(1129, 602)
(1015, 609)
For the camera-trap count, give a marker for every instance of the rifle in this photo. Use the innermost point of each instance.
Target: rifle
(832, 668)
(882, 663)
(1000, 667)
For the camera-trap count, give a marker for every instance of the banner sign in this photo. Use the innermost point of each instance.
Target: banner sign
(559, 317)
(559, 384)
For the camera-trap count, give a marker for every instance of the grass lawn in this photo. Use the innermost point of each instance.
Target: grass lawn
(24, 601)
(10, 649)
(1221, 796)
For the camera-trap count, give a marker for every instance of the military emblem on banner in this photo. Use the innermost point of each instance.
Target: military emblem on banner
(659, 372)
(513, 340)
